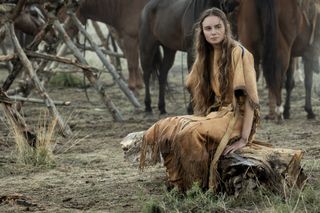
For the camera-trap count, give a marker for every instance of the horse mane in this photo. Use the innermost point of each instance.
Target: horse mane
(196, 7)
(267, 16)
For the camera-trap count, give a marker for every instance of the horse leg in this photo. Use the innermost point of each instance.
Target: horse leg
(168, 60)
(148, 59)
(272, 106)
(308, 78)
(289, 87)
(130, 46)
(275, 106)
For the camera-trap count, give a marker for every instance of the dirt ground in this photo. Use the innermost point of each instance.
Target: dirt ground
(91, 173)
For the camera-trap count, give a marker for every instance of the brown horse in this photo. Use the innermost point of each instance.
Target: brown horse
(29, 23)
(169, 24)
(275, 31)
(30, 20)
(123, 16)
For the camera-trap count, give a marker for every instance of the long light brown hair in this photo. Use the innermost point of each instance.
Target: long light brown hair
(198, 80)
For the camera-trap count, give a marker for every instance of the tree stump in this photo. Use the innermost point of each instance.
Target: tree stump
(257, 164)
(260, 164)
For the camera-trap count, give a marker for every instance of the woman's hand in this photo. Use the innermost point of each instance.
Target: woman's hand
(246, 129)
(235, 146)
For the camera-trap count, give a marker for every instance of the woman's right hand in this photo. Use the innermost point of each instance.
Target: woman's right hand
(235, 146)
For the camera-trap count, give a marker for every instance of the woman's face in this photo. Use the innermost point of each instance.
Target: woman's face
(213, 30)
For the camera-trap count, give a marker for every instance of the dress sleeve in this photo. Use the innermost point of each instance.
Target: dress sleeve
(244, 77)
(244, 83)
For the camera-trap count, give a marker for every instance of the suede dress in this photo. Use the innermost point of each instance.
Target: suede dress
(188, 143)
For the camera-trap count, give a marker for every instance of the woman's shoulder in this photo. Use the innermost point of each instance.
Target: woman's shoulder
(239, 49)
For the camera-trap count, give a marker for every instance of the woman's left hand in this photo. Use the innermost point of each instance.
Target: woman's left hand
(235, 146)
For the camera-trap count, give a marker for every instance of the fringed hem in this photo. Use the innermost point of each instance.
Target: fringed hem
(256, 118)
(143, 153)
(256, 109)
(153, 145)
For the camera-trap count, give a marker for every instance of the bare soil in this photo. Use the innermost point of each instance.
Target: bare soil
(91, 174)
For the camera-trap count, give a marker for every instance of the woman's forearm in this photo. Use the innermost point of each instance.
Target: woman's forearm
(247, 120)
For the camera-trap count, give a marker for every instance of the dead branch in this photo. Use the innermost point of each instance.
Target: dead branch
(8, 63)
(90, 76)
(110, 67)
(107, 52)
(61, 60)
(35, 100)
(17, 10)
(23, 58)
(17, 119)
(7, 57)
(105, 42)
(17, 68)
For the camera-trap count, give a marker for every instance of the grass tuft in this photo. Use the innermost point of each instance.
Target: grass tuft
(42, 153)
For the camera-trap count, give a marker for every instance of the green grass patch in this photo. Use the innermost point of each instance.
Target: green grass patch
(66, 80)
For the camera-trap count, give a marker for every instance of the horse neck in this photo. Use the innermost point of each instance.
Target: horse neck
(97, 10)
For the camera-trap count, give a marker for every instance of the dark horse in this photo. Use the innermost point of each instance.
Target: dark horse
(275, 31)
(167, 23)
(123, 16)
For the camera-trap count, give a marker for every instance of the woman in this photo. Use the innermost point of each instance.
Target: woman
(223, 84)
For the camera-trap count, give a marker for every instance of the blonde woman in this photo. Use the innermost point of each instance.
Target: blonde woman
(225, 100)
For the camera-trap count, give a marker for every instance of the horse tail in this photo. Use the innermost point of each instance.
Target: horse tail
(266, 11)
(157, 60)
(148, 46)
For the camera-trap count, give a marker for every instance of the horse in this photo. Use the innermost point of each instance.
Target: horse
(30, 20)
(27, 24)
(123, 16)
(169, 24)
(275, 31)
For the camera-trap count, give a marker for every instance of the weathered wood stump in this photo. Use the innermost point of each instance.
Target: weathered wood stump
(258, 164)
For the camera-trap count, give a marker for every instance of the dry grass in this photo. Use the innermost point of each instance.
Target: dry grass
(42, 153)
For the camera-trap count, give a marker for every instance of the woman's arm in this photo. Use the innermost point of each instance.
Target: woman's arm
(246, 129)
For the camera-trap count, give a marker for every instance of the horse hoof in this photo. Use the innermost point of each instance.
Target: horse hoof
(279, 120)
(163, 112)
(311, 116)
(148, 110)
(286, 115)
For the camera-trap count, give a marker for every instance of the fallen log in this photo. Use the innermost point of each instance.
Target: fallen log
(257, 164)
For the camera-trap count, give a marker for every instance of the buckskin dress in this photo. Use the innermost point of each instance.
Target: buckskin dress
(188, 143)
